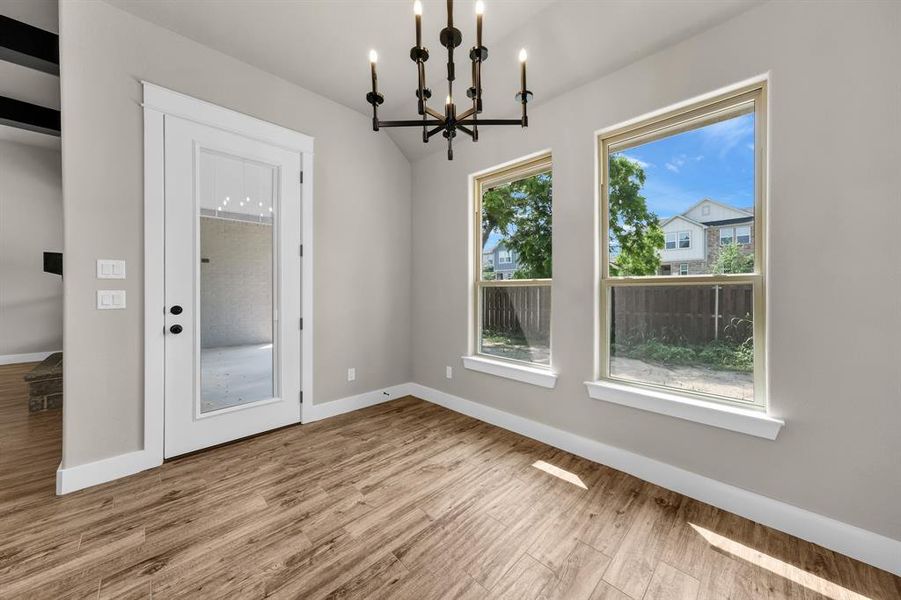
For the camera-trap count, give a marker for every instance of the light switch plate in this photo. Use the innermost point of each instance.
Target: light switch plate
(110, 269)
(449, 373)
(351, 374)
(110, 299)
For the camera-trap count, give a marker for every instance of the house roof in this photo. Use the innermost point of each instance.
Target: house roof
(684, 218)
(712, 201)
(730, 221)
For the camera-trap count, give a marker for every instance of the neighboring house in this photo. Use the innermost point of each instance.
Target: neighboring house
(692, 240)
(502, 260)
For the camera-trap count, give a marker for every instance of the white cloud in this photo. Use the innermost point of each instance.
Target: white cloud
(727, 134)
(637, 161)
(676, 163)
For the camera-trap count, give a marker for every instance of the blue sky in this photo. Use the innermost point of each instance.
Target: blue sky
(716, 161)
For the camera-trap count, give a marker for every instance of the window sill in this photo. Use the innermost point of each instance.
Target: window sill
(734, 418)
(533, 375)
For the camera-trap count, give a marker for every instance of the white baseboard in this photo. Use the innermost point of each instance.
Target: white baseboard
(14, 359)
(863, 545)
(101, 471)
(317, 412)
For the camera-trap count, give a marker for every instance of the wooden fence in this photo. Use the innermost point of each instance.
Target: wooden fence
(517, 311)
(689, 314)
(677, 314)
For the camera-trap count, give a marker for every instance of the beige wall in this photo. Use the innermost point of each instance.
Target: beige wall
(362, 219)
(834, 314)
(31, 222)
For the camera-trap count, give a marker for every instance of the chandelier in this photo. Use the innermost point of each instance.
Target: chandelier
(449, 122)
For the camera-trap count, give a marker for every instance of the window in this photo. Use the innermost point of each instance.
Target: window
(513, 313)
(726, 236)
(699, 335)
(681, 239)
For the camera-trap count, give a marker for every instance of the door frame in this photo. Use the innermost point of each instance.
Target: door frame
(158, 103)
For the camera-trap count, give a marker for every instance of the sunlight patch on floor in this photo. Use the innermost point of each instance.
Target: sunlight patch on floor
(560, 473)
(779, 567)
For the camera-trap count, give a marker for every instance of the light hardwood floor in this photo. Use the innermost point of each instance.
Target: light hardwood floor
(402, 500)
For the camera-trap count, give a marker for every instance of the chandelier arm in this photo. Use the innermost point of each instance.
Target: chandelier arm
(435, 130)
(466, 130)
(435, 113)
(466, 114)
(410, 123)
(492, 122)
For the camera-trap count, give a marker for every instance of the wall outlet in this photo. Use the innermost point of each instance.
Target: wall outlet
(351, 374)
(449, 373)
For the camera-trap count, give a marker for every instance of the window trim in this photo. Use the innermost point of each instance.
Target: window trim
(710, 110)
(680, 269)
(749, 236)
(520, 169)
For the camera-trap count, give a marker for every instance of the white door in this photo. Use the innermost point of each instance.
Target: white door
(232, 286)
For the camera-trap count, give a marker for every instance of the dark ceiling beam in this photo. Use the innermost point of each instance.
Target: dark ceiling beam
(29, 46)
(32, 117)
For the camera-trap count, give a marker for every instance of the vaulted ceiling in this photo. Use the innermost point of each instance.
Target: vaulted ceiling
(323, 45)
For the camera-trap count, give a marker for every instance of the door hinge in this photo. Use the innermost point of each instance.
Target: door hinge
(301, 323)
(301, 176)
(301, 397)
(301, 249)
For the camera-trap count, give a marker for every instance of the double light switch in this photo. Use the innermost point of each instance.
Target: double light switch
(110, 299)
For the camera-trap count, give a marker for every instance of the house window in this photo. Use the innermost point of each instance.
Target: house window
(681, 239)
(702, 335)
(727, 235)
(512, 313)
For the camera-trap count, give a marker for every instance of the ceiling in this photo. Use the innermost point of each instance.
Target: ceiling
(236, 188)
(323, 45)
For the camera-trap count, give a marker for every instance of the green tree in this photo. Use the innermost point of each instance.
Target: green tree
(732, 259)
(521, 211)
(635, 233)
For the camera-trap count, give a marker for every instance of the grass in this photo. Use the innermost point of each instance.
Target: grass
(715, 355)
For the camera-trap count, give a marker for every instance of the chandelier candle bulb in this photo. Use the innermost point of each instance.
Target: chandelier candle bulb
(480, 9)
(417, 10)
(522, 70)
(373, 59)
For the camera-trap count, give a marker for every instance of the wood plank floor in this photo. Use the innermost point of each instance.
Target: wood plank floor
(403, 500)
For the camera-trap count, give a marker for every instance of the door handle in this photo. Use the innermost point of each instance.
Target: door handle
(176, 329)
(175, 310)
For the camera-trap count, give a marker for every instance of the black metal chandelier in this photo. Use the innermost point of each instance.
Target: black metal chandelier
(450, 122)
